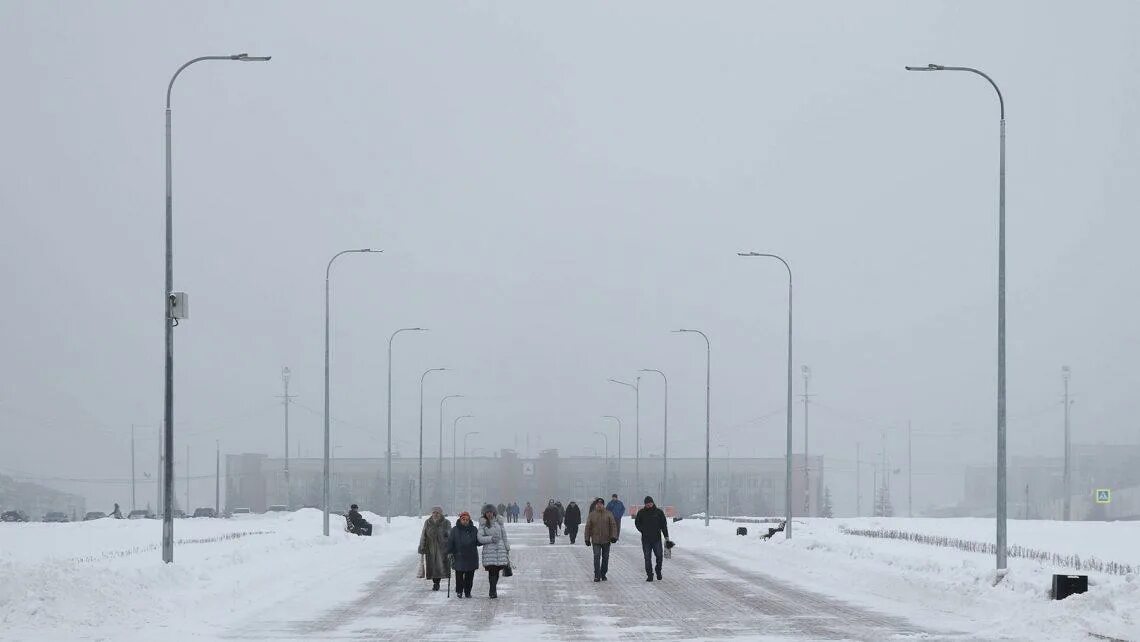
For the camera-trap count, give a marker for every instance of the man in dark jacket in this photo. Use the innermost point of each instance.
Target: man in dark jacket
(552, 519)
(651, 522)
(463, 551)
(573, 519)
(356, 522)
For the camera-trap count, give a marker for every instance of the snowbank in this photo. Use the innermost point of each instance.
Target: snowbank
(945, 588)
(106, 579)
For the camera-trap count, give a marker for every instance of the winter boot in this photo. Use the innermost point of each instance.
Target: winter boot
(658, 575)
(649, 577)
(435, 585)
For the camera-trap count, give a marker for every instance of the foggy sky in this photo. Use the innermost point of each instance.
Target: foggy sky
(555, 189)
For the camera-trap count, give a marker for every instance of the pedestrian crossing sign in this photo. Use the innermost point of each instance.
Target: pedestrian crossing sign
(1103, 496)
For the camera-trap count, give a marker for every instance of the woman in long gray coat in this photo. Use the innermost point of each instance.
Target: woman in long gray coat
(433, 546)
(496, 548)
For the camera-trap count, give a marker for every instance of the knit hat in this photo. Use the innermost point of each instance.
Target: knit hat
(648, 500)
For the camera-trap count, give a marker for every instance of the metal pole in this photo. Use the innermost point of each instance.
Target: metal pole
(806, 371)
(132, 467)
(218, 478)
(421, 463)
(1002, 504)
(618, 420)
(909, 472)
(467, 465)
(454, 425)
(325, 475)
(388, 456)
(788, 456)
(858, 481)
(439, 460)
(288, 488)
(708, 423)
(168, 380)
(1068, 479)
(637, 432)
(187, 509)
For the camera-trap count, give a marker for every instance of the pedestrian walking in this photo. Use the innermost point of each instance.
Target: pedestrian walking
(618, 509)
(601, 531)
(502, 510)
(651, 523)
(117, 513)
(528, 512)
(561, 513)
(551, 519)
(433, 546)
(496, 548)
(515, 512)
(463, 553)
(573, 519)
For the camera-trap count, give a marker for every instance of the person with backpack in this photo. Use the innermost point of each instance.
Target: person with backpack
(573, 519)
(601, 531)
(463, 553)
(651, 523)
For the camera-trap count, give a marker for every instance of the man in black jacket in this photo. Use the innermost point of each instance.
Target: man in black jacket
(573, 520)
(551, 519)
(651, 523)
(356, 522)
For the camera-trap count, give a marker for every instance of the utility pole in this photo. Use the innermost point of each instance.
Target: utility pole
(1065, 372)
(218, 477)
(187, 478)
(132, 467)
(909, 472)
(806, 371)
(858, 481)
(286, 399)
(159, 474)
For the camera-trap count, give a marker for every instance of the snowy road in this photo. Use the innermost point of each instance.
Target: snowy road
(553, 596)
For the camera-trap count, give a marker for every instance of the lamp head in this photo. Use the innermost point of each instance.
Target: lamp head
(244, 57)
(748, 254)
(930, 67)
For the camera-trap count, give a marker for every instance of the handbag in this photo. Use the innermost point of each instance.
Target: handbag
(507, 570)
(421, 572)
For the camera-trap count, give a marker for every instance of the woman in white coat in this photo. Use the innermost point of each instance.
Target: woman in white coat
(496, 548)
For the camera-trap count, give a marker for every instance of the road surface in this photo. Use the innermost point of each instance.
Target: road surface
(553, 596)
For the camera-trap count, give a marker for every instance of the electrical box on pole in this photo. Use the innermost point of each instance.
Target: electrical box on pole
(178, 306)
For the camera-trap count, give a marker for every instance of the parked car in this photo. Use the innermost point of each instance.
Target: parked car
(205, 512)
(179, 514)
(278, 508)
(240, 511)
(13, 516)
(140, 513)
(56, 517)
(94, 514)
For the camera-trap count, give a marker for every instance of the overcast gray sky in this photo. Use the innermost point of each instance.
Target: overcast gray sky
(555, 189)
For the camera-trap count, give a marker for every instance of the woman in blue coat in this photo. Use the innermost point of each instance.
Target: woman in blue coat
(463, 550)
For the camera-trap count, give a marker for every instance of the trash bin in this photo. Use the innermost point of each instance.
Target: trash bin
(1066, 585)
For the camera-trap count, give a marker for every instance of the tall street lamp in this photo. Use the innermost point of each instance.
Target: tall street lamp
(421, 479)
(788, 456)
(636, 431)
(454, 450)
(607, 438)
(388, 515)
(173, 313)
(665, 439)
(1068, 503)
(618, 420)
(806, 372)
(325, 484)
(439, 471)
(708, 424)
(1001, 414)
(467, 464)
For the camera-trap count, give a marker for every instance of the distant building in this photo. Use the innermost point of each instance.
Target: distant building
(35, 500)
(738, 486)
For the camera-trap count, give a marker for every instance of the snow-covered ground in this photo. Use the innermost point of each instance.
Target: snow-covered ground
(105, 579)
(946, 587)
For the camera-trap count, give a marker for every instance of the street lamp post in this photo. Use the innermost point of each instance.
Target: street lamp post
(439, 472)
(607, 438)
(454, 425)
(1068, 503)
(788, 456)
(467, 464)
(388, 511)
(1001, 380)
(285, 375)
(806, 372)
(636, 430)
(665, 440)
(421, 480)
(618, 420)
(171, 319)
(708, 424)
(728, 483)
(325, 482)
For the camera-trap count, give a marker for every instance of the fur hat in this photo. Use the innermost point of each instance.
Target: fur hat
(489, 508)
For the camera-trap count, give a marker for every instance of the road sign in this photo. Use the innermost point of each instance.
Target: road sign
(1103, 496)
(528, 469)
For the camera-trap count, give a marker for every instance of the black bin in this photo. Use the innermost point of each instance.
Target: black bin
(741, 530)
(1066, 585)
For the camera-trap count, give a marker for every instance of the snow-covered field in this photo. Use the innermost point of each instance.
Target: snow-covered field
(105, 579)
(945, 587)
